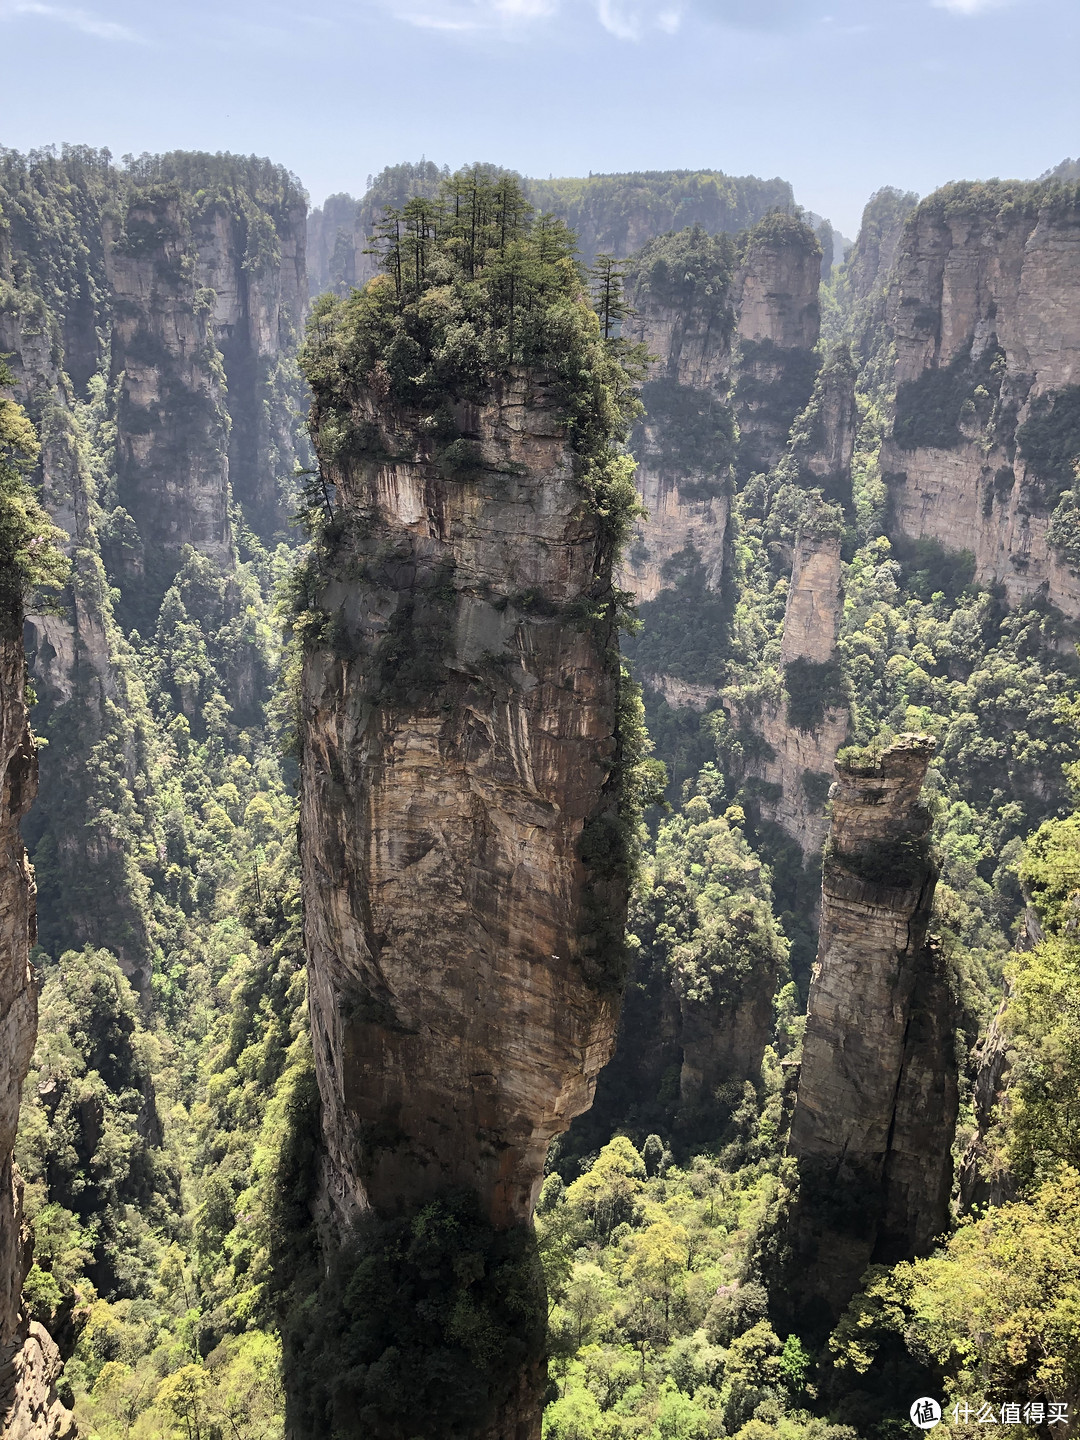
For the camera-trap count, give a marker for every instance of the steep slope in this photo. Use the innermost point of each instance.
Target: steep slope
(986, 328)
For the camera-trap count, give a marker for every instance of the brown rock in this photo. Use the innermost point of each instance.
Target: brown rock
(29, 1363)
(984, 272)
(455, 1029)
(877, 1092)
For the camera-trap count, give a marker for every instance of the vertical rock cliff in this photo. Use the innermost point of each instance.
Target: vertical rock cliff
(801, 728)
(867, 270)
(733, 325)
(29, 1361)
(778, 326)
(804, 728)
(680, 292)
(464, 740)
(877, 1092)
(152, 316)
(986, 326)
(458, 738)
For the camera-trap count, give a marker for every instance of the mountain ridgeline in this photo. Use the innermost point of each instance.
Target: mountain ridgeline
(556, 903)
(615, 214)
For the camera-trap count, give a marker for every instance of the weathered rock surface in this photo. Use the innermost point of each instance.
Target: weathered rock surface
(151, 319)
(870, 261)
(29, 1369)
(796, 768)
(687, 497)
(801, 739)
(458, 738)
(735, 365)
(984, 314)
(29, 1362)
(812, 613)
(455, 1029)
(778, 325)
(877, 1092)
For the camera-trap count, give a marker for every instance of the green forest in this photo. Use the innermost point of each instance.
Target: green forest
(169, 1137)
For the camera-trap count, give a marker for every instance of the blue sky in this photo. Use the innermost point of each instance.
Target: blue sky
(838, 96)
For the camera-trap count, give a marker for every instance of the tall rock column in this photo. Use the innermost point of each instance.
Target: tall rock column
(779, 324)
(464, 841)
(458, 738)
(805, 725)
(877, 1094)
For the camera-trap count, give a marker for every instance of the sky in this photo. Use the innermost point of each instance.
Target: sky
(838, 96)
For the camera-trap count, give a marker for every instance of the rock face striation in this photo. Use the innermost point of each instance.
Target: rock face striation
(778, 325)
(458, 739)
(733, 325)
(986, 325)
(685, 444)
(877, 1091)
(29, 1360)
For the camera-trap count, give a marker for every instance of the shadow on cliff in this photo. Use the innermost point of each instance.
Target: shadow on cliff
(426, 1326)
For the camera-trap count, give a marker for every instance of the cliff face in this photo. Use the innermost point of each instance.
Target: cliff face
(684, 445)
(778, 325)
(152, 318)
(29, 1361)
(171, 458)
(877, 1093)
(983, 311)
(870, 261)
(806, 724)
(457, 739)
(733, 325)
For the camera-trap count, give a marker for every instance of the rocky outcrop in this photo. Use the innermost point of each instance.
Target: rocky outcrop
(29, 1361)
(800, 730)
(778, 326)
(733, 326)
(812, 612)
(172, 453)
(457, 739)
(870, 261)
(877, 1091)
(986, 326)
(685, 444)
(151, 315)
(804, 729)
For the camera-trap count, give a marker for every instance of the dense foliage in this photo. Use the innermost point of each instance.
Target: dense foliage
(170, 1117)
(29, 554)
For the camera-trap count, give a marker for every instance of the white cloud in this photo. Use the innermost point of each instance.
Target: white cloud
(968, 7)
(82, 20)
(631, 19)
(462, 16)
(625, 19)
